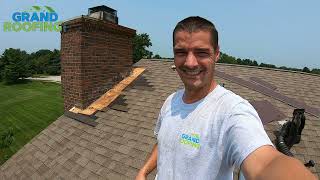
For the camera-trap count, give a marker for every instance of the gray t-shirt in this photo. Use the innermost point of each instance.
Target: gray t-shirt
(208, 138)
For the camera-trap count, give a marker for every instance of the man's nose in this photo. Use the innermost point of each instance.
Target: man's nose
(191, 60)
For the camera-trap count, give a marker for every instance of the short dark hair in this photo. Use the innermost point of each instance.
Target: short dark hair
(196, 23)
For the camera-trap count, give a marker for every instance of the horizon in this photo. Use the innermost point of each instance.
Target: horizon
(280, 33)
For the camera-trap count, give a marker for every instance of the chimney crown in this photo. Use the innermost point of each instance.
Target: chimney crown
(104, 13)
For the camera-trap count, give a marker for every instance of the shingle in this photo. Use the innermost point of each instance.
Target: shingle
(124, 149)
(101, 150)
(84, 173)
(147, 139)
(136, 163)
(136, 153)
(115, 175)
(41, 156)
(82, 161)
(100, 159)
(120, 132)
(93, 166)
(143, 146)
(69, 164)
(120, 157)
(103, 172)
(61, 159)
(132, 172)
(146, 132)
(131, 135)
(133, 129)
(52, 154)
(118, 167)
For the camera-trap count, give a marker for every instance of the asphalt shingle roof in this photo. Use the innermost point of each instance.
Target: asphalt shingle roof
(118, 146)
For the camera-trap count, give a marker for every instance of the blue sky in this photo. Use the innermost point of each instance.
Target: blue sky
(285, 32)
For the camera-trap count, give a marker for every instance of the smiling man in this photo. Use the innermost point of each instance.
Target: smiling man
(204, 131)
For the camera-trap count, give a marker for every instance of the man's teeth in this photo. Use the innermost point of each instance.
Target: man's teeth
(192, 72)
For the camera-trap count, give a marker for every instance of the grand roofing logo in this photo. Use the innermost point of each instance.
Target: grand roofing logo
(36, 18)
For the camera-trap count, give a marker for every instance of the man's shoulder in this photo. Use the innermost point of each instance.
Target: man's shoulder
(173, 97)
(227, 97)
(227, 102)
(235, 104)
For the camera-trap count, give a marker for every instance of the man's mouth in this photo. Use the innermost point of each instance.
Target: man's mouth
(192, 72)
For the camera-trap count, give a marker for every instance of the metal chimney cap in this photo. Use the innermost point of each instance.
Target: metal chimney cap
(101, 8)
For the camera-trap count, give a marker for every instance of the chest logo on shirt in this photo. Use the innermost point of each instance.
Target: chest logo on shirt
(192, 140)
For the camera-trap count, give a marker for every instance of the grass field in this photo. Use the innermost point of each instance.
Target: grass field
(28, 108)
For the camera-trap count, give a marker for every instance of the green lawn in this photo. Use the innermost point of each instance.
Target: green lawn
(28, 108)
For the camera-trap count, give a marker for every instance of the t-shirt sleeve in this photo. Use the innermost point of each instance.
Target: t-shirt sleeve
(244, 133)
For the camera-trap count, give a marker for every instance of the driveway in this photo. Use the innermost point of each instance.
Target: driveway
(47, 78)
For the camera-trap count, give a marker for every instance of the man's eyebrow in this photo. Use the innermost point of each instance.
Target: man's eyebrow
(179, 49)
(201, 49)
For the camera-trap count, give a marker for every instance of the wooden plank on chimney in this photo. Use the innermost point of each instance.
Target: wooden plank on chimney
(112, 94)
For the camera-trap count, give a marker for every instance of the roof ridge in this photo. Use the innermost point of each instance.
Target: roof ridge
(266, 68)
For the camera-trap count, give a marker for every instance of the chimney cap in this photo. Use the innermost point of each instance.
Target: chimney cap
(101, 8)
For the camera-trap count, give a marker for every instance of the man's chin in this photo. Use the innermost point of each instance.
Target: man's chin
(193, 85)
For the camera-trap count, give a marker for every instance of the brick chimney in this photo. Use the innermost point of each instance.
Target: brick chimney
(95, 55)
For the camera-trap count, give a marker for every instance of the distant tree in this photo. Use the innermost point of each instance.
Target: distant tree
(239, 61)
(1, 68)
(157, 56)
(283, 67)
(40, 61)
(140, 43)
(267, 65)
(255, 63)
(45, 61)
(315, 71)
(225, 58)
(149, 55)
(40, 53)
(294, 69)
(54, 66)
(305, 69)
(246, 62)
(249, 62)
(15, 65)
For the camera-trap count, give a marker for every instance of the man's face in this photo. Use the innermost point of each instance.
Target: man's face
(195, 58)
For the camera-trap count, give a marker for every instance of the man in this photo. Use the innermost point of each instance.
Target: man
(204, 130)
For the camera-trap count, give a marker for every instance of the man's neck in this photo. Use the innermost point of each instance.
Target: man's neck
(193, 95)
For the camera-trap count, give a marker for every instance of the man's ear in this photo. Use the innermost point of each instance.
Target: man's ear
(217, 53)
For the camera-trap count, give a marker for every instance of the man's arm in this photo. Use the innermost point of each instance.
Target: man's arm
(267, 163)
(150, 165)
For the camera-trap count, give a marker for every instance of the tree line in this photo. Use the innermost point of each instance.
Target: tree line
(16, 64)
(225, 58)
